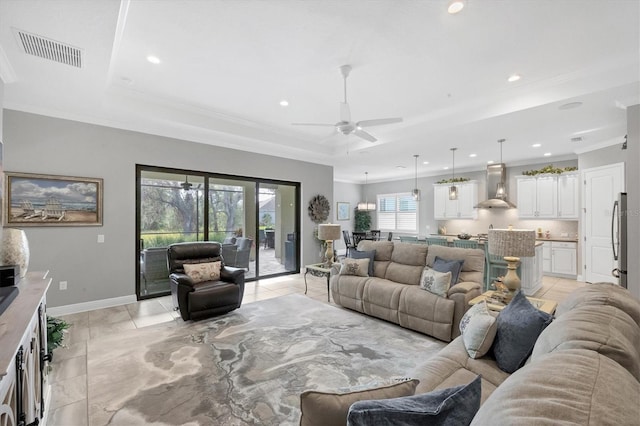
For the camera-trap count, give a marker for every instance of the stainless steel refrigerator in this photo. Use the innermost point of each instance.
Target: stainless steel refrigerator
(619, 238)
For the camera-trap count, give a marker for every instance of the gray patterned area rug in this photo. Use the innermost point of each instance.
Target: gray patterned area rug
(244, 368)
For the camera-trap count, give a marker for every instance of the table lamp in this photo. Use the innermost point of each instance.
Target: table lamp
(328, 233)
(512, 244)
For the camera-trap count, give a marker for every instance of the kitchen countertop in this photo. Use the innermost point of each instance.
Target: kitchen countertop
(559, 239)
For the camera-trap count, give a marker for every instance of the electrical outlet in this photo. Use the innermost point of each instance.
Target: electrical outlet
(63, 285)
(100, 238)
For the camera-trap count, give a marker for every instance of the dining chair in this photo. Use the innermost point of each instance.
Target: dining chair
(347, 241)
(375, 235)
(472, 244)
(495, 267)
(357, 237)
(390, 236)
(436, 241)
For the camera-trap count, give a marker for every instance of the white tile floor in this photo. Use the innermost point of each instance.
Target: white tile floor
(69, 374)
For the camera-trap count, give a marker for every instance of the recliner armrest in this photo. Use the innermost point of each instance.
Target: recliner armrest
(463, 287)
(181, 279)
(232, 275)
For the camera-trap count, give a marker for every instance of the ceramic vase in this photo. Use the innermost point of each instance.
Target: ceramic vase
(15, 249)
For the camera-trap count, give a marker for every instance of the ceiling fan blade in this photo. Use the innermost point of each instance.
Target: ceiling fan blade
(345, 112)
(378, 122)
(364, 135)
(314, 124)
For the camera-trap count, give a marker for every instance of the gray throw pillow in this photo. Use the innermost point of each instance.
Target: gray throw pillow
(355, 254)
(447, 407)
(519, 325)
(453, 266)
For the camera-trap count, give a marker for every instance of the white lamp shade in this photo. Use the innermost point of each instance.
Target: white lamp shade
(329, 232)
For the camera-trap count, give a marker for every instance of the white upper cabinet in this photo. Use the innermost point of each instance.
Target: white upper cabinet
(568, 190)
(462, 208)
(537, 197)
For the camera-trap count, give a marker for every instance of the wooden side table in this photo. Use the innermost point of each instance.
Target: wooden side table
(545, 305)
(318, 270)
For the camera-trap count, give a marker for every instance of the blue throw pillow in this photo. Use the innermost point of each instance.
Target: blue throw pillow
(355, 254)
(453, 266)
(447, 407)
(519, 325)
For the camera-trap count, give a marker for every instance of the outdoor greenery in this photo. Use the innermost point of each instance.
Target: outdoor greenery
(549, 170)
(267, 221)
(170, 214)
(55, 332)
(362, 221)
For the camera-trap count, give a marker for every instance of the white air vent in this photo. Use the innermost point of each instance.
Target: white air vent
(49, 49)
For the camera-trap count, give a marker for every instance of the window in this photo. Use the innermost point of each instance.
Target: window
(397, 213)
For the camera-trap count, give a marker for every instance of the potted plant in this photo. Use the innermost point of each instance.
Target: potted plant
(55, 333)
(362, 220)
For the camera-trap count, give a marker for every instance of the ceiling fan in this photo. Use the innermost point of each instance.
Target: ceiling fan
(345, 125)
(186, 185)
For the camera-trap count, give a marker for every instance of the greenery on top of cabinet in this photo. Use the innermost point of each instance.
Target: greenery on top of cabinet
(454, 180)
(549, 170)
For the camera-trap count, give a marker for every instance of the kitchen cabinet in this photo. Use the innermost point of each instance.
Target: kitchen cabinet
(24, 388)
(559, 258)
(568, 190)
(462, 208)
(537, 197)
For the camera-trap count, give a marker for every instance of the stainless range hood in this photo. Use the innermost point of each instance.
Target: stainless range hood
(496, 173)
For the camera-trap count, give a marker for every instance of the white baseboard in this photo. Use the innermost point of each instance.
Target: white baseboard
(90, 306)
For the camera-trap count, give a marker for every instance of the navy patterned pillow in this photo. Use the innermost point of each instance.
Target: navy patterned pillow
(453, 266)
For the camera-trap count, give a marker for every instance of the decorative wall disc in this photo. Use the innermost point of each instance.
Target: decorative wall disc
(319, 208)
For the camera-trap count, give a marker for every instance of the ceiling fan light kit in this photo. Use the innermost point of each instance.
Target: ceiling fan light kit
(453, 189)
(347, 127)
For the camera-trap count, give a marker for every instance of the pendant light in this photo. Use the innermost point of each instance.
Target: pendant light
(366, 205)
(416, 191)
(501, 189)
(453, 189)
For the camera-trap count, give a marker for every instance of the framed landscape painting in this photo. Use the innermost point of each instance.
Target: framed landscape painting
(343, 211)
(49, 200)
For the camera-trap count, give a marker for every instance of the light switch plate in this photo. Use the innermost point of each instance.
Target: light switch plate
(100, 238)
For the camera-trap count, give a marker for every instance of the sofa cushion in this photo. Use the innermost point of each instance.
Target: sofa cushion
(601, 328)
(570, 387)
(602, 294)
(473, 267)
(357, 254)
(331, 408)
(454, 266)
(519, 325)
(435, 282)
(359, 267)
(478, 328)
(200, 272)
(426, 312)
(453, 406)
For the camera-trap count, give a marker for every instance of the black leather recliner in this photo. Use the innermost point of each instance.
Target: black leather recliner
(208, 298)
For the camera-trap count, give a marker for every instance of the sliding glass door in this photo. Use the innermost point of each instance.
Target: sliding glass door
(255, 220)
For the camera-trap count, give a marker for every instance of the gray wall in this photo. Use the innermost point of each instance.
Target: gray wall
(347, 193)
(633, 190)
(38, 144)
(601, 157)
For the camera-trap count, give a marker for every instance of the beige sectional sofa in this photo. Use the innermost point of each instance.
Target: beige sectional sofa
(584, 368)
(393, 292)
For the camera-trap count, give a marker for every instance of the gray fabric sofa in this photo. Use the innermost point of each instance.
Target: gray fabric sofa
(393, 293)
(584, 368)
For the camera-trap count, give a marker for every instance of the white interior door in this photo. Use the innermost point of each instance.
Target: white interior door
(601, 189)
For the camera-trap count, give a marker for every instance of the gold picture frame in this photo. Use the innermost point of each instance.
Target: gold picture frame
(49, 200)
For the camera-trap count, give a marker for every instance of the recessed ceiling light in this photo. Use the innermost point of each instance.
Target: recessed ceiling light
(490, 162)
(514, 77)
(547, 154)
(455, 7)
(473, 155)
(400, 167)
(425, 162)
(576, 139)
(536, 145)
(284, 102)
(570, 105)
(446, 167)
(153, 59)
